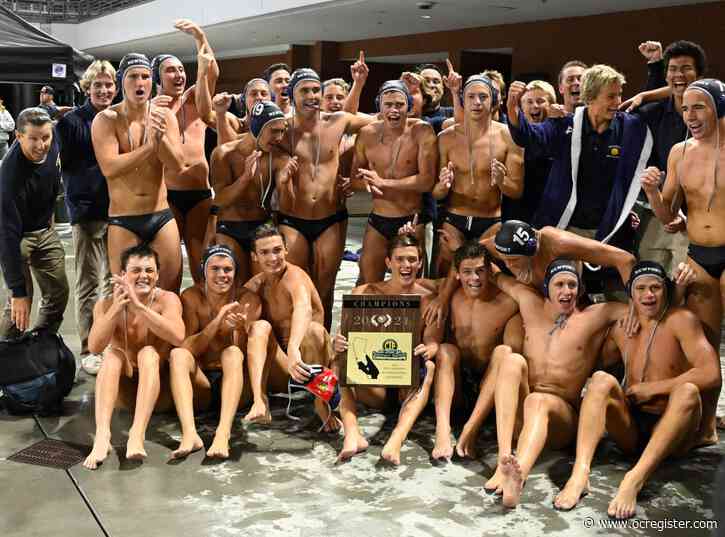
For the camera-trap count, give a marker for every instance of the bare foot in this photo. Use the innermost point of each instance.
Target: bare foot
(624, 504)
(259, 413)
(134, 448)
(354, 443)
(391, 453)
(512, 482)
(219, 448)
(443, 448)
(101, 449)
(330, 423)
(494, 484)
(466, 445)
(187, 446)
(575, 489)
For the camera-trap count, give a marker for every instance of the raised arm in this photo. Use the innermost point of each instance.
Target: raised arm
(165, 128)
(544, 138)
(579, 248)
(106, 314)
(446, 175)
(355, 122)
(359, 72)
(665, 204)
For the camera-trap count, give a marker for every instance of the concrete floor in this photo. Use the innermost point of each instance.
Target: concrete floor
(281, 480)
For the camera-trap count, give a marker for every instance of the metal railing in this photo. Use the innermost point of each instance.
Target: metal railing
(66, 11)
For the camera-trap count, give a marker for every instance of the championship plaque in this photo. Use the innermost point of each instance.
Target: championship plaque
(382, 331)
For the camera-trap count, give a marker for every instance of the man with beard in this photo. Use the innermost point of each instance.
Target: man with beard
(188, 191)
(207, 371)
(666, 403)
(135, 330)
(86, 196)
(312, 215)
(479, 163)
(395, 159)
(135, 143)
(243, 173)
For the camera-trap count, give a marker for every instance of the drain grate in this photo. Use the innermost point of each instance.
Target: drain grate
(51, 453)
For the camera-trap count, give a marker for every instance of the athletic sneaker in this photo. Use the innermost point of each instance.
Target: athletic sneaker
(91, 363)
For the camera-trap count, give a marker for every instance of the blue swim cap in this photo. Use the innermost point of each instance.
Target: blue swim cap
(300, 75)
(262, 113)
(715, 89)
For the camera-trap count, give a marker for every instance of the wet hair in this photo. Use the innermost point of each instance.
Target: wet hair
(497, 77)
(267, 75)
(34, 115)
(571, 63)
(96, 68)
(339, 82)
(265, 231)
(596, 78)
(543, 86)
(687, 48)
(471, 249)
(140, 250)
(403, 241)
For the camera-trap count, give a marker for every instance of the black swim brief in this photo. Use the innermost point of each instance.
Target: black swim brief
(215, 382)
(145, 226)
(711, 258)
(645, 423)
(240, 231)
(472, 227)
(186, 200)
(311, 229)
(388, 226)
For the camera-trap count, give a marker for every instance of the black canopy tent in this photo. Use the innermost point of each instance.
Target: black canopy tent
(28, 56)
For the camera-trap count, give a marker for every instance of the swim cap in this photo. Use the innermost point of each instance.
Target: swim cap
(646, 268)
(129, 61)
(156, 66)
(262, 113)
(516, 238)
(300, 75)
(481, 79)
(557, 266)
(715, 89)
(214, 250)
(394, 85)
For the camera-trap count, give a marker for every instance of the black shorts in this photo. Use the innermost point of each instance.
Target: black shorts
(711, 258)
(240, 231)
(144, 226)
(472, 227)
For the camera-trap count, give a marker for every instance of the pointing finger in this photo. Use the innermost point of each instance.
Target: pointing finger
(415, 220)
(450, 66)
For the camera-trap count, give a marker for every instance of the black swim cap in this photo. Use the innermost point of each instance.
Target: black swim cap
(394, 85)
(156, 66)
(516, 238)
(301, 75)
(481, 79)
(646, 268)
(262, 113)
(129, 61)
(557, 266)
(214, 250)
(715, 89)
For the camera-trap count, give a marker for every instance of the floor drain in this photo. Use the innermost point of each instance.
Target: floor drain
(51, 453)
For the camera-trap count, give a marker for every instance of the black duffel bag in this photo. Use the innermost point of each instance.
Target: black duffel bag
(36, 372)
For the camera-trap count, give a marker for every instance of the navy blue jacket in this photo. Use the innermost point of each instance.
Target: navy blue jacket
(86, 190)
(560, 139)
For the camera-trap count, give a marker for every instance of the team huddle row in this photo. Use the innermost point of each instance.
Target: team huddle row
(518, 215)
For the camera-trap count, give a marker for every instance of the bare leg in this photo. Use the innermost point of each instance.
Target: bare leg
(372, 261)
(327, 253)
(167, 244)
(232, 381)
(149, 386)
(258, 364)
(193, 231)
(119, 239)
(316, 348)
(548, 419)
(512, 387)
(354, 442)
(447, 363)
(445, 256)
(106, 395)
(466, 445)
(604, 408)
(408, 414)
(298, 249)
(672, 434)
(183, 366)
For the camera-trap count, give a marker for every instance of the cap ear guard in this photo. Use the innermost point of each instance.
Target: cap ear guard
(552, 272)
(485, 80)
(214, 250)
(394, 85)
(649, 268)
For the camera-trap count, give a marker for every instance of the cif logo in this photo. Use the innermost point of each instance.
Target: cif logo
(390, 345)
(383, 320)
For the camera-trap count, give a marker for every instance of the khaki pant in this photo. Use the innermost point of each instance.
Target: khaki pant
(43, 256)
(655, 244)
(93, 278)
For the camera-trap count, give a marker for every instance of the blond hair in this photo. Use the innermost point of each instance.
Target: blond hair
(543, 86)
(597, 77)
(95, 69)
(497, 78)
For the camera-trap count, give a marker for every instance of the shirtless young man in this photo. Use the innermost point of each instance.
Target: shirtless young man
(543, 390)
(691, 177)
(312, 214)
(481, 319)
(291, 333)
(135, 330)
(135, 142)
(243, 173)
(277, 76)
(404, 259)
(479, 163)
(667, 403)
(188, 189)
(207, 372)
(395, 159)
